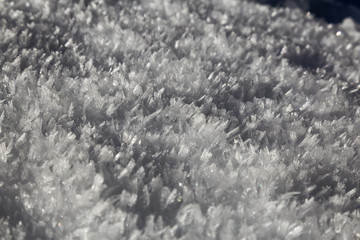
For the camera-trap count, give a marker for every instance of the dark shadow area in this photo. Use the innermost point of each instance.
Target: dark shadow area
(12, 209)
(352, 92)
(307, 58)
(200, 7)
(324, 182)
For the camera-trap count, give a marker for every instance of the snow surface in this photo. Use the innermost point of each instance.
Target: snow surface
(160, 119)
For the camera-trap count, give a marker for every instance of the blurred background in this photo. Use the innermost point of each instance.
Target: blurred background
(332, 11)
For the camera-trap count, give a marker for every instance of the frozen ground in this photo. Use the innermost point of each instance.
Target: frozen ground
(220, 119)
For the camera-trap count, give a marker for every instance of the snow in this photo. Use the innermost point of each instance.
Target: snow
(177, 120)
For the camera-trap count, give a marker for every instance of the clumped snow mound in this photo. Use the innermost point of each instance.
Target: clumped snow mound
(177, 119)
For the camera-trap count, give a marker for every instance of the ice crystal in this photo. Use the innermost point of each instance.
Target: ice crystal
(177, 120)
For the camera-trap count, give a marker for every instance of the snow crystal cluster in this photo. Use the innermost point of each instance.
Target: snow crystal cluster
(149, 119)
